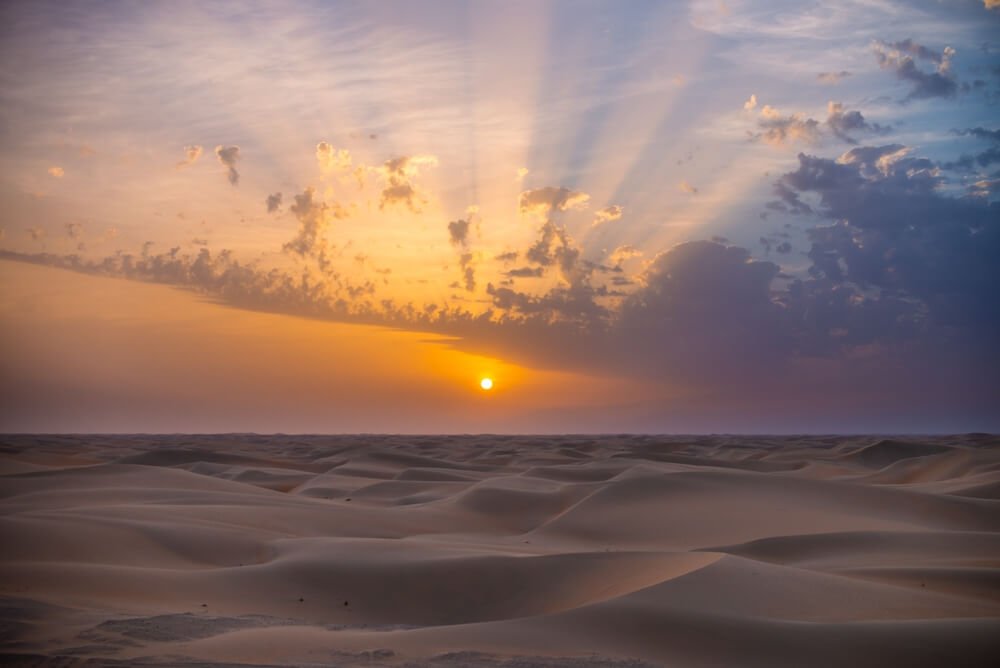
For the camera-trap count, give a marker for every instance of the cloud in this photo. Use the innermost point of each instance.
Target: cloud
(468, 271)
(894, 229)
(525, 272)
(607, 214)
(979, 132)
(565, 304)
(331, 159)
(984, 188)
(843, 122)
(397, 175)
(273, 202)
(544, 201)
(778, 130)
(622, 254)
(458, 235)
(775, 242)
(229, 156)
(898, 57)
(876, 161)
(520, 174)
(832, 77)
(701, 301)
(314, 219)
(686, 187)
(554, 248)
(458, 232)
(552, 239)
(908, 46)
(57, 172)
(750, 104)
(74, 231)
(984, 158)
(991, 4)
(191, 155)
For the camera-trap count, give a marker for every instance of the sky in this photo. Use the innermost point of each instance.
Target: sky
(326, 217)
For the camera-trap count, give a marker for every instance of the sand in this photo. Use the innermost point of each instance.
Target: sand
(499, 551)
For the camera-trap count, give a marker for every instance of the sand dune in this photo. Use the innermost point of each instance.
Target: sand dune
(499, 551)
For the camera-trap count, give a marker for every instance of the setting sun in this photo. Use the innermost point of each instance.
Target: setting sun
(486, 383)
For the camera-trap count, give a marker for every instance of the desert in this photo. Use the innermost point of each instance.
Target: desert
(493, 550)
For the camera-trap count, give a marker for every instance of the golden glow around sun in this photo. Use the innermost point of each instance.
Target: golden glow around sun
(486, 383)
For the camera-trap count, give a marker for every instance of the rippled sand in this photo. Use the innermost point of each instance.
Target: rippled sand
(499, 551)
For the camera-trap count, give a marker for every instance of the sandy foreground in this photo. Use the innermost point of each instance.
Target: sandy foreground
(499, 551)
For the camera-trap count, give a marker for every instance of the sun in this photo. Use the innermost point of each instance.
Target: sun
(486, 383)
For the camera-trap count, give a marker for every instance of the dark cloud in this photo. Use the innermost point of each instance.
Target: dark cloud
(458, 232)
(554, 247)
(980, 133)
(273, 202)
(843, 123)
(458, 235)
(524, 272)
(468, 271)
(893, 229)
(898, 57)
(776, 243)
(703, 307)
(397, 175)
(789, 201)
(567, 304)
(984, 158)
(312, 223)
(229, 156)
(314, 219)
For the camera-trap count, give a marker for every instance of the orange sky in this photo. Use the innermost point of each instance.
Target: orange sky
(85, 353)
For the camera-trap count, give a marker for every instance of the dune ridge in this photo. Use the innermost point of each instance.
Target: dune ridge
(499, 550)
